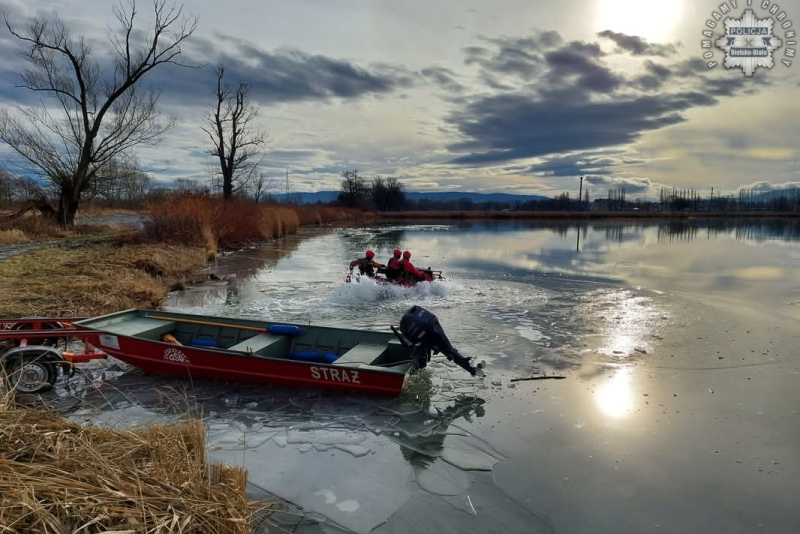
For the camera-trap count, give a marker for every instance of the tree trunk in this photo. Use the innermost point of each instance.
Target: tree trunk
(67, 208)
(227, 187)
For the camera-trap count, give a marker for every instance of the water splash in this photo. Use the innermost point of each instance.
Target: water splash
(368, 290)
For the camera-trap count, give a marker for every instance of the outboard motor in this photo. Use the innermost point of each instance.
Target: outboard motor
(420, 327)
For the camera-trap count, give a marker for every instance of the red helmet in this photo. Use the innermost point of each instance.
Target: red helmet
(370, 254)
(407, 255)
(397, 253)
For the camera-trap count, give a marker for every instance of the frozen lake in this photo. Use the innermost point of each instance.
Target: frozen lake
(680, 413)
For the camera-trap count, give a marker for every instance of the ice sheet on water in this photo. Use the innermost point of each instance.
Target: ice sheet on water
(355, 450)
(127, 416)
(234, 439)
(441, 478)
(325, 437)
(337, 408)
(227, 437)
(469, 453)
(378, 483)
(350, 505)
(463, 503)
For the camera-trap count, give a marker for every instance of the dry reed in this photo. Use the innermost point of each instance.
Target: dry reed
(35, 228)
(211, 222)
(94, 280)
(57, 477)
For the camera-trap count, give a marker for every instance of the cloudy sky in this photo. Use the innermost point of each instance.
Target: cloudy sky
(518, 96)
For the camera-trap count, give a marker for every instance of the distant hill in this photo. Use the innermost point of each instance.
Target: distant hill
(330, 196)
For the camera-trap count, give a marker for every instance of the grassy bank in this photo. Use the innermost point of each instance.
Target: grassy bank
(32, 228)
(94, 280)
(140, 268)
(576, 215)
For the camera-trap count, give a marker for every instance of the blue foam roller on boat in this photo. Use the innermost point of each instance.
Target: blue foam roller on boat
(329, 357)
(284, 330)
(205, 343)
(305, 355)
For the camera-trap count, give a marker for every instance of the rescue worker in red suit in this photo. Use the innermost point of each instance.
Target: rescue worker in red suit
(393, 268)
(410, 272)
(366, 265)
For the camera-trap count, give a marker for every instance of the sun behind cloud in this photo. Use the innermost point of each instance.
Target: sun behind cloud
(656, 22)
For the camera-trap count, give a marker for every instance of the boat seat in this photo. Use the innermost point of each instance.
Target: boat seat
(361, 354)
(141, 327)
(257, 343)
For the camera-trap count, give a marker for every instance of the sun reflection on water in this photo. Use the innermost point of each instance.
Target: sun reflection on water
(615, 396)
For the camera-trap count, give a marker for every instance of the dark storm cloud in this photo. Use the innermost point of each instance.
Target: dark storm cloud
(572, 101)
(577, 63)
(637, 46)
(654, 77)
(690, 67)
(632, 186)
(444, 78)
(519, 56)
(284, 75)
(734, 86)
(508, 127)
(573, 165)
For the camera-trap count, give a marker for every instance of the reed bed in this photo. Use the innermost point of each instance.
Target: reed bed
(58, 477)
(212, 222)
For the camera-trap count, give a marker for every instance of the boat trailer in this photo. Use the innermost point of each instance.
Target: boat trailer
(30, 358)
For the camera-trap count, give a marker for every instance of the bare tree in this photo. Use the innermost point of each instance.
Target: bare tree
(236, 141)
(28, 195)
(354, 189)
(260, 185)
(395, 194)
(5, 187)
(379, 193)
(186, 186)
(121, 181)
(101, 112)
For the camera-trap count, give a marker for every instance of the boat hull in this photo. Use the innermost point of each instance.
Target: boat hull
(163, 358)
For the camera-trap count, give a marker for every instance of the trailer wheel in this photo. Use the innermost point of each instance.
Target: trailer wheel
(31, 374)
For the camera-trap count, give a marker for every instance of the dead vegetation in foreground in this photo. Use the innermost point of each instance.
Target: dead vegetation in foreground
(58, 477)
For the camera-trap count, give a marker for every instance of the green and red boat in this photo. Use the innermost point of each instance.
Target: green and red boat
(235, 349)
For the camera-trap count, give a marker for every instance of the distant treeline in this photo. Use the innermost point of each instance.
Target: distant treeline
(124, 185)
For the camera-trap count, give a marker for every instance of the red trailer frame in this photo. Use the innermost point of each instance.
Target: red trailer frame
(32, 366)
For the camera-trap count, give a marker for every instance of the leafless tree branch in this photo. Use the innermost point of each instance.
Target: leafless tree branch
(101, 115)
(236, 140)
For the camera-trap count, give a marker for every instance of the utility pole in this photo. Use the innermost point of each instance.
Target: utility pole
(287, 185)
(580, 196)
